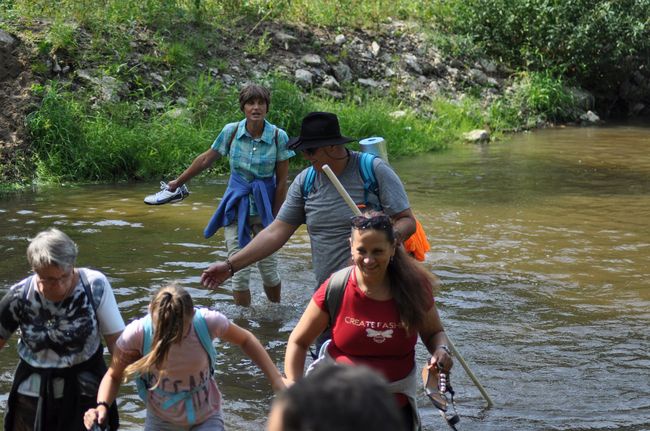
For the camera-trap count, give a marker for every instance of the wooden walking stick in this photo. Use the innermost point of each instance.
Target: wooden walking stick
(469, 372)
(357, 212)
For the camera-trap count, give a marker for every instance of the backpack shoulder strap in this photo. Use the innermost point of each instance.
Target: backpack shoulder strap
(335, 290)
(308, 184)
(277, 147)
(26, 286)
(232, 138)
(88, 290)
(147, 339)
(367, 171)
(202, 331)
(140, 381)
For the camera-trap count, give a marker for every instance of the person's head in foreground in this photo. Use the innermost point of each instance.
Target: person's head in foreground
(336, 398)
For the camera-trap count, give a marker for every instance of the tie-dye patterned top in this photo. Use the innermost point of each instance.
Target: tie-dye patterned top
(59, 334)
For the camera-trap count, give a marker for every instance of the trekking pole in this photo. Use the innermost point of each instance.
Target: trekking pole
(357, 212)
(469, 372)
(339, 187)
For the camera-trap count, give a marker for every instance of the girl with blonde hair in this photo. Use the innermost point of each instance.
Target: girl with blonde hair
(170, 354)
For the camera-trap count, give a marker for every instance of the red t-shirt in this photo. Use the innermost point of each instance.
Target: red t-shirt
(369, 332)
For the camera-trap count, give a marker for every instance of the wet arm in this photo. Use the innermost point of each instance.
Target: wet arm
(404, 224)
(268, 241)
(110, 340)
(108, 389)
(312, 323)
(433, 336)
(9, 320)
(254, 350)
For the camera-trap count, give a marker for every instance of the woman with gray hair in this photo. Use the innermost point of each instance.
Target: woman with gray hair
(61, 311)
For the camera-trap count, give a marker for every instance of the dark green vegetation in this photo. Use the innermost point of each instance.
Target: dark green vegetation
(119, 142)
(599, 44)
(548, 44)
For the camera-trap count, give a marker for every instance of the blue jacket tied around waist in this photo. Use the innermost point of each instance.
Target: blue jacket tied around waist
(235, 203)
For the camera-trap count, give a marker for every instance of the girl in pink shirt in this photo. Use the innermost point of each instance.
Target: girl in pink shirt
(175, 375)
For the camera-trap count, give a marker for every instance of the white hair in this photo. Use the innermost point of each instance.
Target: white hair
(52, 247)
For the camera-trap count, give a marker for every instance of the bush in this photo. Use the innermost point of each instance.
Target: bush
(541, 94)
(597, 42)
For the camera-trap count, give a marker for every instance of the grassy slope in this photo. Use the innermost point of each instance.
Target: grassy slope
(77, 139)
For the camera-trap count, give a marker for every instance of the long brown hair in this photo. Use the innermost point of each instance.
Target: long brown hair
(170, 308)
(411, 284)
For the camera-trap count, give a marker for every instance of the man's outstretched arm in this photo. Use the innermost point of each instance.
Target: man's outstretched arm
(268, 241)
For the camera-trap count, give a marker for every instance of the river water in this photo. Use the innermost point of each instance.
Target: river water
(542, 242)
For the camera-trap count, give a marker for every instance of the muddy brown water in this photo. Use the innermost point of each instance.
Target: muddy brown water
(542, 242)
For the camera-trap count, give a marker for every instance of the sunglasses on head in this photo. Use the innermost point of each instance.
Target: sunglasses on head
(382, 222)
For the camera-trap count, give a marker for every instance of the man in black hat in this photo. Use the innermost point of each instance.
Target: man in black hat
(321, 208)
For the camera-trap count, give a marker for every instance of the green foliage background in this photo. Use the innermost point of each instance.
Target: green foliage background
(597, 43)
(551, 45)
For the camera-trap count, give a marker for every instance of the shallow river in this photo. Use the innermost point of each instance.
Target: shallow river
(542, 242)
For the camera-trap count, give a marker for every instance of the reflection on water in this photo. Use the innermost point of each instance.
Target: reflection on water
(542, 243)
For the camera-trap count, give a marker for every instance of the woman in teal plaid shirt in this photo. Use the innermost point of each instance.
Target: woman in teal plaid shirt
(259, 168)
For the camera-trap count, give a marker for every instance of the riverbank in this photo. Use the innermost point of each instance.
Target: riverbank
(136, 100)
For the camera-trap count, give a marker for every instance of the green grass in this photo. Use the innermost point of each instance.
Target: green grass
(408, 134)
(75, 142)
(120, 142)
(150, 135)
(536, 97)
(331, 13)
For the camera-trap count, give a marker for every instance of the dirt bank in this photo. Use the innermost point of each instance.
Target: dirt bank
(16, 102)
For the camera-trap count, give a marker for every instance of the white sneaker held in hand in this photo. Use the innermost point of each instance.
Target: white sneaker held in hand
(164, 196)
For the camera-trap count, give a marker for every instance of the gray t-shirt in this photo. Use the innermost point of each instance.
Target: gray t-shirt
(327, 215)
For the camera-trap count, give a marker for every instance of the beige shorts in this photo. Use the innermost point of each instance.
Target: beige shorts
(268, 266)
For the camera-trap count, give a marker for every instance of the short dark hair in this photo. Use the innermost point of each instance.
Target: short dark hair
(254, 92)
(342, 398)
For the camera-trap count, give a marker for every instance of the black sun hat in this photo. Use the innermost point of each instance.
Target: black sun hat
(319, 129)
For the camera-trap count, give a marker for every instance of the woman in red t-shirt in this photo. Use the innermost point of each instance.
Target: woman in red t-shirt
(387, 302)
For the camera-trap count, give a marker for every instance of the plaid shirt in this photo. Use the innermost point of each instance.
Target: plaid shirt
(253, 158)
